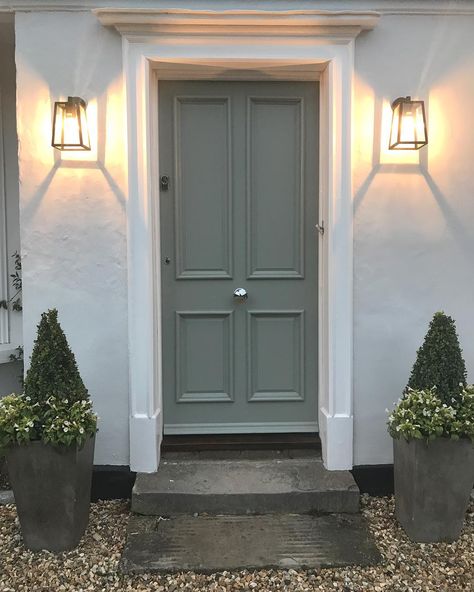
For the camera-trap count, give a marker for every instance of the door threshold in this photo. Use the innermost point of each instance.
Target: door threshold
(204, 442)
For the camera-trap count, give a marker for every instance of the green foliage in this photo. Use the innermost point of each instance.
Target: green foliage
(53, 370)
(15, 301)
(421, 414)
(18, 420)
(68, 424)
(439, 361)
(55, 407)
(55, 421)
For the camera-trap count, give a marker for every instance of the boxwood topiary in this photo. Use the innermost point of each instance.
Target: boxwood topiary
(53, 370)
(439, 362)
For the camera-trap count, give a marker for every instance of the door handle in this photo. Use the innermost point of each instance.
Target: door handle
(240, 294)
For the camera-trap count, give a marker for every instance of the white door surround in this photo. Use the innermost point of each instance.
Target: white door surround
(303, 45)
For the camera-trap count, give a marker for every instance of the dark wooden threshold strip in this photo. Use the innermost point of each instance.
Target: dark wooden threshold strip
(197, 443)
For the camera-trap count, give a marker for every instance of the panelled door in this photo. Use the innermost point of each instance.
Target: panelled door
(239, 252)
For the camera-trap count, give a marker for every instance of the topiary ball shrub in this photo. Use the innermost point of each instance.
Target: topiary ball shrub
(53, 370)
(439, 362)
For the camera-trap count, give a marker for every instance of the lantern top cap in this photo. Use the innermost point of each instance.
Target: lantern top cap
(402, 100)
(76, 101)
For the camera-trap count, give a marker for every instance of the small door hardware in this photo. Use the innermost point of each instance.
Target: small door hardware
(320, 228)
(164, 182)
(240, 294)
(167, 260)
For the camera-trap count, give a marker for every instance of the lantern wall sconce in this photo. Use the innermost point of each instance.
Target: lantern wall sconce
(70, 131)
(408, 131)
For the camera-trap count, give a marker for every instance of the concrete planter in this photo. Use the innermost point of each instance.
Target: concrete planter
(52, 487)
(433, 482)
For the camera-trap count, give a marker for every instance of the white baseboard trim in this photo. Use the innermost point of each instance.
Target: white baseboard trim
(336, 432)
(240, 428)
(145, 442)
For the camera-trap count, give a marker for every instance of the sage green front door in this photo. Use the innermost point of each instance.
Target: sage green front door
(238, 209)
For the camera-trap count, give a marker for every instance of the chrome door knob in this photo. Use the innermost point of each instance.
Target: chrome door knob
(241, 293)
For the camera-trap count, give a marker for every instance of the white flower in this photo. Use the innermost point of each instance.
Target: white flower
(81, 430)
(65, 429)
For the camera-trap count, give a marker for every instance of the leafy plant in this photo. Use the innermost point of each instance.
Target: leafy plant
(439, 362)
(68, 424)
(15, 301)
(18, 420)
(53, 370)
(55, 422)
(55, 407)
(422, 415)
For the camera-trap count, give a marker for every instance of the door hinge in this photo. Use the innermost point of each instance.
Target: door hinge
(320, 228)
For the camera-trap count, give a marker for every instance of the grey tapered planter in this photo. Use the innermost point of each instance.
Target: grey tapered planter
(433, 483)
(52, 487)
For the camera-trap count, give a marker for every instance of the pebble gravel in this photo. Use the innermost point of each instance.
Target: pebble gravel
(93, 566)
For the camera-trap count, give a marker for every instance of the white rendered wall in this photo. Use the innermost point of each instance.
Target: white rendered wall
(73, 213)
(413, 217)
(414, 239)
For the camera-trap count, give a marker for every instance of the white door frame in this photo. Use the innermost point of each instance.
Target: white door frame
(313, 43)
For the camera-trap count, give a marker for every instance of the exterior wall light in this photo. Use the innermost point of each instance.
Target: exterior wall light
(70, 131)
(408, 131)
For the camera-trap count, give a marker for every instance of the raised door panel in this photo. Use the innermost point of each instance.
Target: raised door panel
(275, 356)
(204, 357)
(275, 197)
(203, 189)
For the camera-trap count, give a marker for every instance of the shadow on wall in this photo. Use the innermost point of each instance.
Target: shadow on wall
(373, 119)
(105, 149)
(82, 59)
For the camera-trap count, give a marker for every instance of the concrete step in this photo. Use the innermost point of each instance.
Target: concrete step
(265, 486)
(218, 543)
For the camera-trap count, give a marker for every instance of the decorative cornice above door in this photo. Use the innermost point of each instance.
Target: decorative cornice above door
(241, 22)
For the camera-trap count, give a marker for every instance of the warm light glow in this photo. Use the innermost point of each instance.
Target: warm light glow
(70, 130)
(408, 130)
(387, 156)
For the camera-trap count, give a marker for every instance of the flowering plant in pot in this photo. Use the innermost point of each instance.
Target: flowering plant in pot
(48, 434)
(433, 434)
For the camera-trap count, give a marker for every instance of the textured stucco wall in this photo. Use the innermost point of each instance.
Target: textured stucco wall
(73, 212)
(414, 212)
(412, 240)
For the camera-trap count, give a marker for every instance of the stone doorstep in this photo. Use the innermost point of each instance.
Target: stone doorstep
(239, 487)
(217, 543)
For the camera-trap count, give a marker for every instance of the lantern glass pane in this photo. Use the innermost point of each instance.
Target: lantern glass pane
(395, 126)
(86, 143)
(408, 130)
(70, 131)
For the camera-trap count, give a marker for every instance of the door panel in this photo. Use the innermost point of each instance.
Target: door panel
(240, 212)
(204, 357)
(275, 356)
(274, 133)
(203, 191)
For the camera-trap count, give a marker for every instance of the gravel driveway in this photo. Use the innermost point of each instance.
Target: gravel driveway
(407, 567)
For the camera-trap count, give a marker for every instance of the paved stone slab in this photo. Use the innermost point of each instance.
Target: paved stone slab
(6, 497)
(217, 543)
(296, 485)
